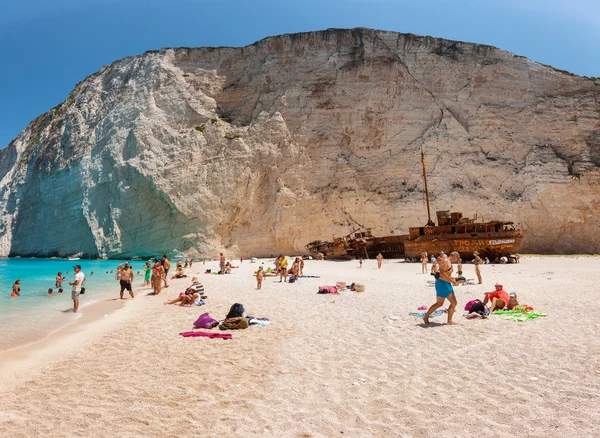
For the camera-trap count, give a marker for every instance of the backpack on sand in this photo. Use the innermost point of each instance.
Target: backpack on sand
(236, 310)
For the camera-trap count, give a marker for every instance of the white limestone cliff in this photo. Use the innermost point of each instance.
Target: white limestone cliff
(259, 150)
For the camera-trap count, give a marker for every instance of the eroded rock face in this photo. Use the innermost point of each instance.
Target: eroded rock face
(261, 149)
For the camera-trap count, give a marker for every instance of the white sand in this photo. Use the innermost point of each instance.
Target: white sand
(327, 365)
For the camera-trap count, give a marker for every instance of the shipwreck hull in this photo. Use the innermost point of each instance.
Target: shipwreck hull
(487, 246)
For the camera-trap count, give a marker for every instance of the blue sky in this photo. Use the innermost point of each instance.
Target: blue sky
(48, 47)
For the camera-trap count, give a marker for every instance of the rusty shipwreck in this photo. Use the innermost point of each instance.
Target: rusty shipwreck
(453, 232)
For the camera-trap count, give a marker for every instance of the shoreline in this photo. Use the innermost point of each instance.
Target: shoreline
(99, 317)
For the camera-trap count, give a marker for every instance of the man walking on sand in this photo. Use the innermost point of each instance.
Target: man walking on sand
(443, 287)
(126, 279)
(79, 279)
(379, 260)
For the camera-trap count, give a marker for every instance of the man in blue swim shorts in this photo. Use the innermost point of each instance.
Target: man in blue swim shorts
(443, 288)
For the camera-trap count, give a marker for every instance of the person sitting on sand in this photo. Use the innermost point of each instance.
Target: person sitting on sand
(16, 290)
(190, 295)
(512, 301)
(227, 268)
(179, 272)
(498, 298)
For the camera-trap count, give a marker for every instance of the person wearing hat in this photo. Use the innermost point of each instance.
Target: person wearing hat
(126, 279)
(512, 301)
(499, 298)
(77, 284)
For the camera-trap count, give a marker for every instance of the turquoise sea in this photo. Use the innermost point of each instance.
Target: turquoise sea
(34, 314)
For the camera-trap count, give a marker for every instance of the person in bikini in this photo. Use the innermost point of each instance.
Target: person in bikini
(424, 261)
(443, 288)
(477, 261)
(260, 274)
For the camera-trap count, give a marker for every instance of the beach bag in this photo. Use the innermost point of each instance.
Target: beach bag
(470, 303)
(239, 323)
(292, 279)
(205, 321)
(236, 311)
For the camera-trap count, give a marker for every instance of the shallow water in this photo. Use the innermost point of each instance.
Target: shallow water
(34, 314)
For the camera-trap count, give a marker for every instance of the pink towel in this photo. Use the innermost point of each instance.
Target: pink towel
(206, 335)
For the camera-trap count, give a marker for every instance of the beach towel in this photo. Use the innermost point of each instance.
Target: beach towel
(518, 315)
(206, 335)
(422, 314)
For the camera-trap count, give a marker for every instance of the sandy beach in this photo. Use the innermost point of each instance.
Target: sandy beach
(354, 364)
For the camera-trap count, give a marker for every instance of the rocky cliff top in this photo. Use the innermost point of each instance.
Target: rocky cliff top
(260, 149)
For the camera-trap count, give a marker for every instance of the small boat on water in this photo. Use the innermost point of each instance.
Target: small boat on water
(136, 258)
(453, 232)
(75, 256)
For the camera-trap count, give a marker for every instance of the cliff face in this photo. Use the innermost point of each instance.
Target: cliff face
(261, 149)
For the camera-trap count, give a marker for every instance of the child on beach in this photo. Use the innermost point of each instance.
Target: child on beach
(424, 261)
(260, 274)
(360, 262)
(512, 301)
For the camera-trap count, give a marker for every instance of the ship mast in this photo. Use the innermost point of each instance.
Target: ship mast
(429, 221)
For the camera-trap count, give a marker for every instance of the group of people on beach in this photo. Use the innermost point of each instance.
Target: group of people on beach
(442, 268)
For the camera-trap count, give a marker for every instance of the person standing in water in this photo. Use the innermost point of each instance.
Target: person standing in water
(379, 260)
(478, 262)
(16, 290)
(443, 288)
(147, 274)
(79, 279)
(59, 280)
